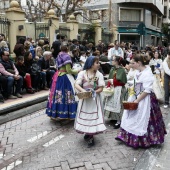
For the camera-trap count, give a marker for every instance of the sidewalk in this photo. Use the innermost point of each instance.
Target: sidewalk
(162, 161)
(157, 157)
(15, 108)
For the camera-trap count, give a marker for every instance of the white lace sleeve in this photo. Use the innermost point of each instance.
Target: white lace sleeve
(79, 78)
(148, 83)
(101, 81)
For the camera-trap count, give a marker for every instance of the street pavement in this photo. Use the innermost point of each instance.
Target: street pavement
(36, 142)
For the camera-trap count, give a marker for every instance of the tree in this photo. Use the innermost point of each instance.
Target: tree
(37, 9)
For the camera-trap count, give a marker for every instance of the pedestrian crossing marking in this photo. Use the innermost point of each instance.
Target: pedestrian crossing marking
(53, 140)
(33, 139)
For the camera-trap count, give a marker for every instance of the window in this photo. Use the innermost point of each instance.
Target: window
(159, 22)
(94, 15)
(130, 15)
(153, 19)
(165, 11)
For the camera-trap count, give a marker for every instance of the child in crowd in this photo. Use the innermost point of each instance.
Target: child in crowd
(89, 118)
(117, 78)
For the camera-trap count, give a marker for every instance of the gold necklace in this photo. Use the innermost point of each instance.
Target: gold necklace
(90, 79)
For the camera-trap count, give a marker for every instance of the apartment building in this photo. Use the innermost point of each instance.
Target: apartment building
(166, 17)
(138, 21)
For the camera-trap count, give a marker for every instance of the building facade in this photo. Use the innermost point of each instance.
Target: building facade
(137, 21)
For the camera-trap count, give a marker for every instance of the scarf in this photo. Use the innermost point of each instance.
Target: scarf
(63, 59)
(119, 73)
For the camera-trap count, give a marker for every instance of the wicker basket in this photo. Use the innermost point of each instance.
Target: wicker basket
(84, 95)
(130, 105)
(108, 91)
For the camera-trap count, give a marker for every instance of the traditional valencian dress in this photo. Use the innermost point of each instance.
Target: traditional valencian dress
(113, 106)
(90, 118)
(145, 126)
(61, 101)
(158, 85)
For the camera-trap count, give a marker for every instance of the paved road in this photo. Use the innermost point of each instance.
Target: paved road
(36, 142)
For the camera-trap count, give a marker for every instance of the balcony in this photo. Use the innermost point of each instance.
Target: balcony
(154, 5)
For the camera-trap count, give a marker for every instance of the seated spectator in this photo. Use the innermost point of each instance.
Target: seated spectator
(19, 48)
(23, 72)
(46, 46)
(33, 69)
(8, 69)
(38, 52)
(27, 45)
(47, 71)
(4, 46)
(3, 87)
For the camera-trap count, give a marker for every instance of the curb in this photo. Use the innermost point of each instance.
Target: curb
(21, 105)
(149, 157)
(23, 111)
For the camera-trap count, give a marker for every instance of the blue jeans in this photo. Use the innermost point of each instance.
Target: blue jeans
(43, 79)
(18, 85)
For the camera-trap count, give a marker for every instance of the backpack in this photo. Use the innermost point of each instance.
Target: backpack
(35, 68)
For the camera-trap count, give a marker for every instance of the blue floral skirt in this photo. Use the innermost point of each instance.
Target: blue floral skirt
(63, 104)
(155, 133)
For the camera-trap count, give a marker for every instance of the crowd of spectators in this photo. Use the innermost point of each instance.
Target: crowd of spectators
(34, 65)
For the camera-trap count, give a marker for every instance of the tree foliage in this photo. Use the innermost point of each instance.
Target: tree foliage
(37, 9)
(165, 28)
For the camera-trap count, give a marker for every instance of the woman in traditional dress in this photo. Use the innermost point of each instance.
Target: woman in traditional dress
(61, 102)
(158, 70)
(90, 118)
(157, 62)
(151, 60)
(145, 126)
(166, 68)
(117, 78)
(130, 78)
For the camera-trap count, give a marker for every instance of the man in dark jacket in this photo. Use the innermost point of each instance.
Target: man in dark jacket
(56, 46)
(3, 88)
(47, 70)
(8, 69)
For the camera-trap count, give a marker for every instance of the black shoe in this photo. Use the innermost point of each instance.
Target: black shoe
(116, 126)
(90, 142)
(86, 137)
(30, 91)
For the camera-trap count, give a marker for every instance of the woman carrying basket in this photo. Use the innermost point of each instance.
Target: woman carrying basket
(145, 126)
(89, 118)
(117, 79)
